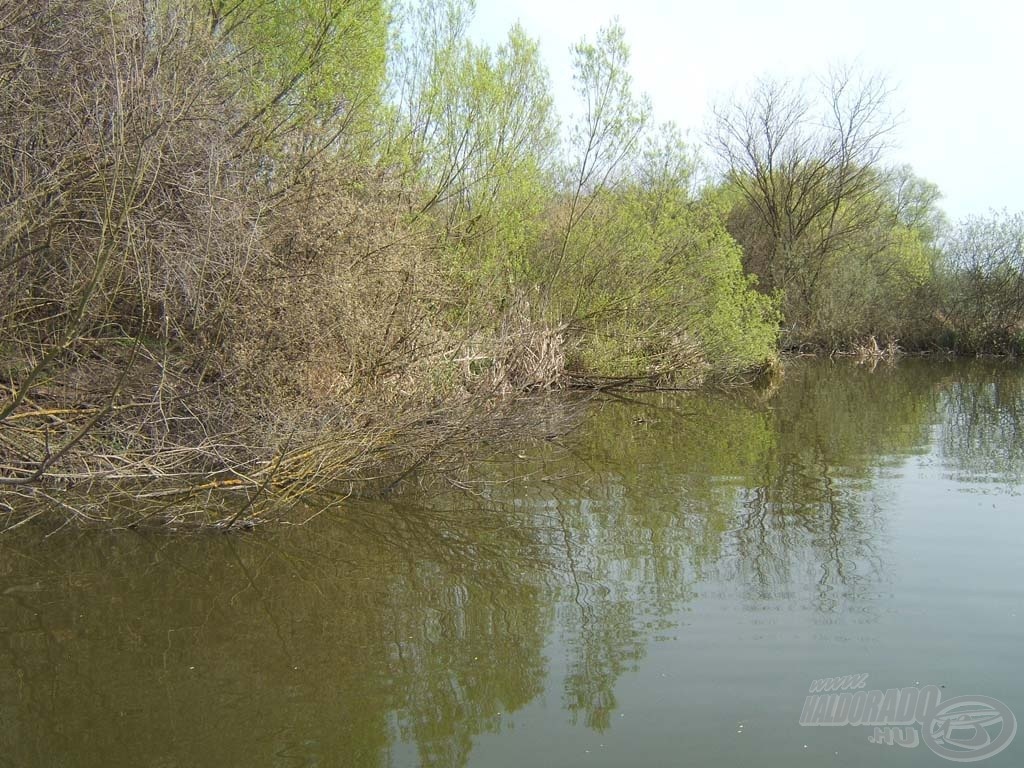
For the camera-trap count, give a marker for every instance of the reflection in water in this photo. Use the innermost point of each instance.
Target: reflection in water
(983, 435)
(813, 503)
(392, 634)
(301, 647)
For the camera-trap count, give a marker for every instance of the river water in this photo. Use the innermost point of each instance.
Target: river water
(659, 588)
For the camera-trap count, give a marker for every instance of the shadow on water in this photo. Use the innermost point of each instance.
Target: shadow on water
(386, 634)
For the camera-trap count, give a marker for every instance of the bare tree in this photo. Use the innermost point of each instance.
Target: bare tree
(807, 167)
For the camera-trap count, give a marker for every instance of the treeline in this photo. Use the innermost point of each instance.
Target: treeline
(857, 251)
(282, 247)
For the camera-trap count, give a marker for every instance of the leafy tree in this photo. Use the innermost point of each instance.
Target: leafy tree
(311, 71)
(472, 136)
(604, 139)
(646, 280)
(915, 203)
(882, 283)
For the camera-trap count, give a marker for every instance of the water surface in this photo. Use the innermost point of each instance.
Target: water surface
(657, 589)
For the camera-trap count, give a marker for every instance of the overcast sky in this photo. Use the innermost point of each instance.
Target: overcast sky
(957, 69)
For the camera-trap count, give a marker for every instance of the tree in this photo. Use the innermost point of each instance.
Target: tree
(644, 280)
(915, 203)
(466, 116)
(311, 71)
(805, 170)
(472, 138)
(605, 136)
(984, 302)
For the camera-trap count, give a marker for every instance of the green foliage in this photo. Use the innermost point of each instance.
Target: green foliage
(666, 291)
(651, 284)
(914, 202)
(878, 286)
(850, 244)
(983, 283)
(613, 119)
(310, 71)
(865, 268)
(598, 241)
(472, 137)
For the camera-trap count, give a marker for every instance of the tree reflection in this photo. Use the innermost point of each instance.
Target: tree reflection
(983, 434)
(390, 633)
(780, 494)
(810, 510)
(322, 646)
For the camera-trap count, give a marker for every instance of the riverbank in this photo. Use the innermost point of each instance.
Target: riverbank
(234, 277)
(254, 254)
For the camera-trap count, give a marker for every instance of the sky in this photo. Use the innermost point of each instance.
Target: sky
(956, 69)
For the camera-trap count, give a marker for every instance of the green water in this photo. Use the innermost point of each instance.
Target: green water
(659, 588)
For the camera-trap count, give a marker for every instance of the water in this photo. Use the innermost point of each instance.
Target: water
(658, 589)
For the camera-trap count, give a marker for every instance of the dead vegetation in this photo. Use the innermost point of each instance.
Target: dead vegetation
(235, 279)
(869, 351)
(192, 329)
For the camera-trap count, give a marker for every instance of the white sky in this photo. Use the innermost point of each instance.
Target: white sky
(957, 69)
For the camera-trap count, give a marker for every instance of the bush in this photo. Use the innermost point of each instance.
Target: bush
(228, 262)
